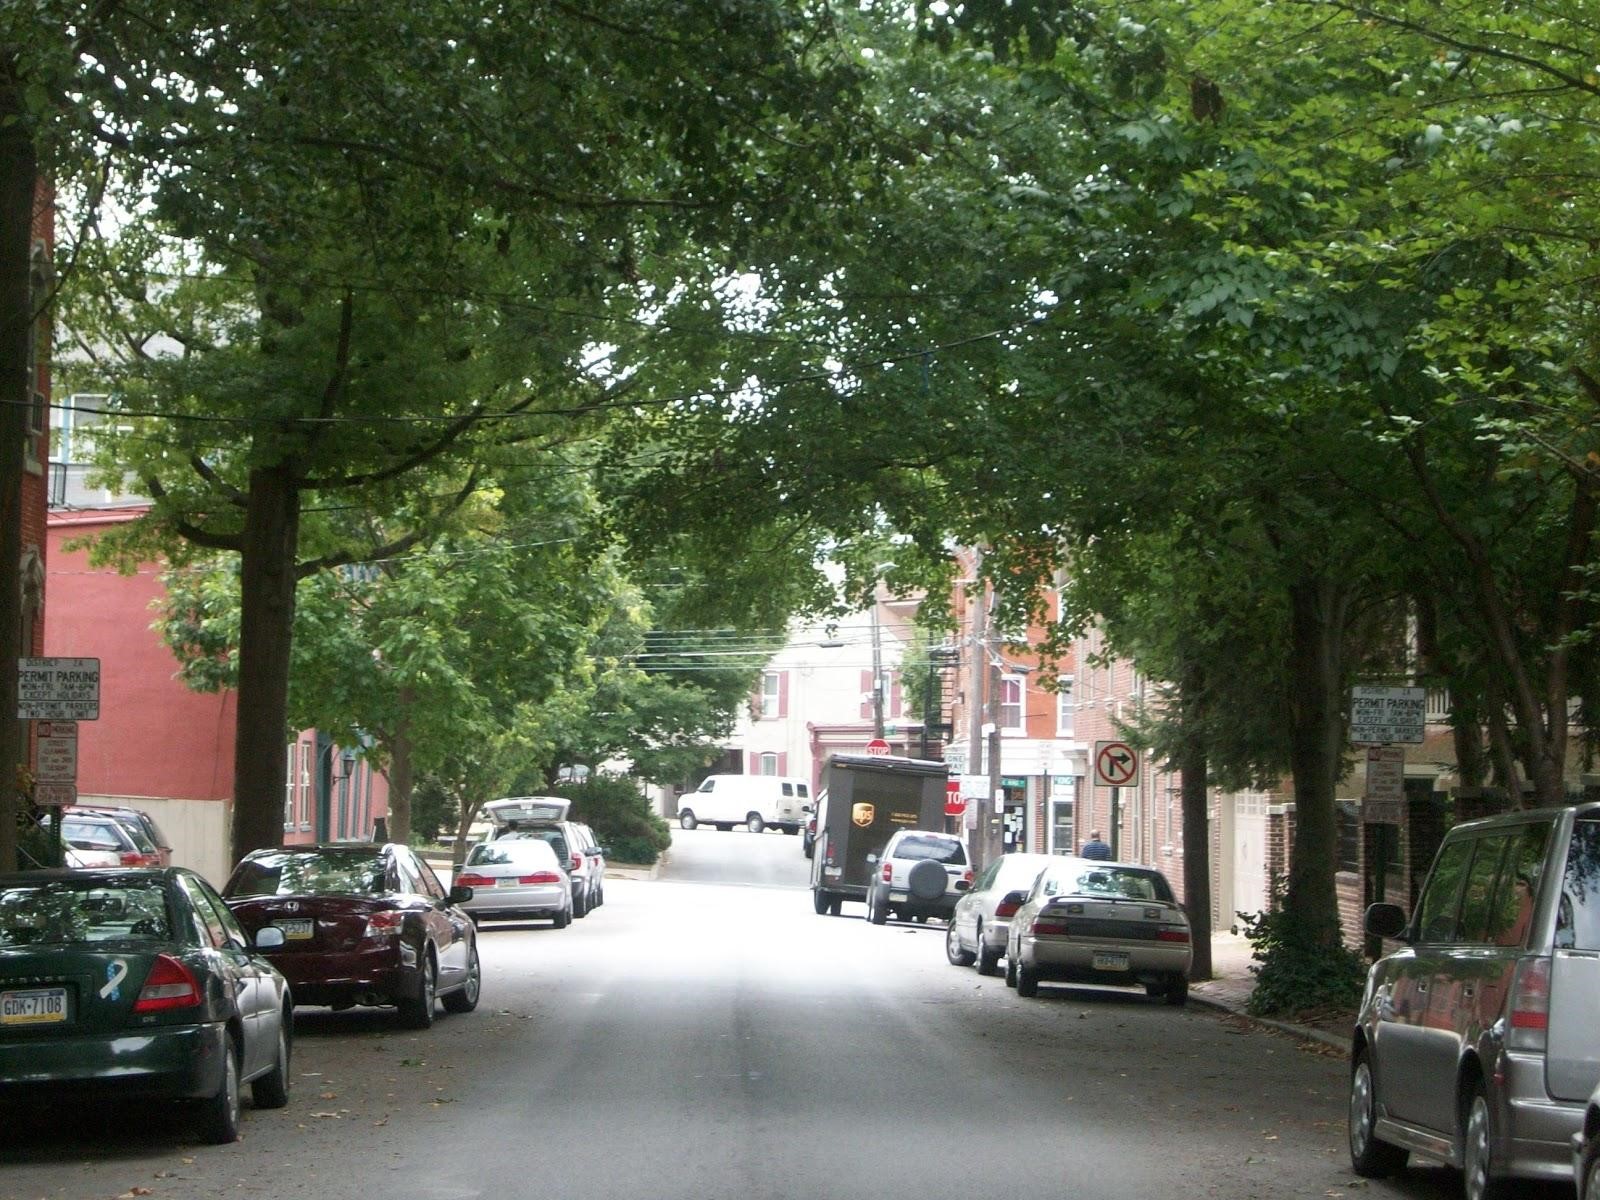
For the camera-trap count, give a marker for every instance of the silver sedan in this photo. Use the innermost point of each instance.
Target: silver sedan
(1087, 921)
(517, 877)
(982, 920)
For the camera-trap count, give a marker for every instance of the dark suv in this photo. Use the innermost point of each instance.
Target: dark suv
(1475, 1044)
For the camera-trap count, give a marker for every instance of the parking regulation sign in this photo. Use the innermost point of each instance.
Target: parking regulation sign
(1116, 764)
(58, 689)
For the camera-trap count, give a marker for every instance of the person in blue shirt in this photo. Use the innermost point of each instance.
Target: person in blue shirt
(1095, 847)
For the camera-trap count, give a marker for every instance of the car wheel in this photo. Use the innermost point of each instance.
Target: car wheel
(1590, 1175)
(1011, 970)
(417, 1011)
(580, 904)
(1477, 1150)
(465, 998)
(272, 1089)
(754, 823)
(1370, 1156)
(835, 905)
(562, 919)
(987, 960)
(686, 819)
(877, 911)
(952, 948)
(218, 1120)
(820, 902)
(1027, 980)
(1176, 992)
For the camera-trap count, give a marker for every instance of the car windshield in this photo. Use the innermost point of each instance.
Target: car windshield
(1018, 874)
(88, 834)
(942, 850)
(310, 872)
(76, 911)
(517, 851)
(1128, 883)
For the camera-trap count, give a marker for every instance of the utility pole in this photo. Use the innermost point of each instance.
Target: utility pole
(993, 813)
(979, 664)
(877, 670)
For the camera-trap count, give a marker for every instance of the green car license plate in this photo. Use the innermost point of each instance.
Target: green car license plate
(36, 1006)
(1110, 960)
(297, 929)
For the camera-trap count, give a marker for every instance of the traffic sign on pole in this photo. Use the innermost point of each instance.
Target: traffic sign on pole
(58, 689)
(1116, 764)
(1379, 715)
(878, 746)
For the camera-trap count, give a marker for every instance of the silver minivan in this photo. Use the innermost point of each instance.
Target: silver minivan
(1477, 1043)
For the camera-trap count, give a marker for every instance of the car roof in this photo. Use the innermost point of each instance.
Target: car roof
(1518, 816)
(80, 874)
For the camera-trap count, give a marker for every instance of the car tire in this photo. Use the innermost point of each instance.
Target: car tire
(986, 961)
(927, 881)
(754, 823)
(820, 901)
(686, 820)
(1011, 971)
(1477, 1149)
(810, 851)
(836, 905)
(416, 1012)
(952, 948)
(877, 911)
(272, 1089)
(1176, 993)
(217, 1121)
(562, 919)
(1590, 1175)
(580, 904)
(465, 998)
(1370, 1156)
(1027, 981)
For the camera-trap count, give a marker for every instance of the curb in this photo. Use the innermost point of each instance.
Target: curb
(1304, 1032)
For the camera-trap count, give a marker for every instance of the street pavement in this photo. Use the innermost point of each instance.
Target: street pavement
(705, 1035)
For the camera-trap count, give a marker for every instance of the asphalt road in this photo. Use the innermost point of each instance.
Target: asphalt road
(706, 1035)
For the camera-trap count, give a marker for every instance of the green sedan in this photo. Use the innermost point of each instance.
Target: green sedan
(138, 985)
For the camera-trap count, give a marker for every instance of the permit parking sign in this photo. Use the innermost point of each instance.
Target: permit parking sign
(58, 689)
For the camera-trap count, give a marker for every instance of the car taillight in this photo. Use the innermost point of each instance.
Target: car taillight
(577, 861)
(1530, 1005)
(1172, 935)
(133, 858)
(540, 877)
(471, 880)
(1006, 908)
(967, 877)
(1049, 929)
(170, 984)
(888, 872)
(384, 924)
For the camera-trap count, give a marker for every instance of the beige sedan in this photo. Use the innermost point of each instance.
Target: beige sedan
(1087, 921)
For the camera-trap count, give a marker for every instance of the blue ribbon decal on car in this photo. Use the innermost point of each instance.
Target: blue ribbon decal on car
(116, 972)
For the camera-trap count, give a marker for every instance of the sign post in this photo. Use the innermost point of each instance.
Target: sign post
(1116, 766)
(1383, 719)
(57, 693)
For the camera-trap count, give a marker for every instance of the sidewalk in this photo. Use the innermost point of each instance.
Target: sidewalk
(1229, 989)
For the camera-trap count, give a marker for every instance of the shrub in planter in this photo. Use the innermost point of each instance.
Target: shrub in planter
(621, 817)
(1296, 970)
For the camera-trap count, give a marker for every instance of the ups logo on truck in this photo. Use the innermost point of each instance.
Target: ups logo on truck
(862, 814)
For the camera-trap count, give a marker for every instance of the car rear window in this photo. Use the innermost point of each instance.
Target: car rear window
(1128, 883)
(519, 851)
(66, 912)
(95, 835)
(942, 850)
(310, 872)
(1578, 916)
(554, 838)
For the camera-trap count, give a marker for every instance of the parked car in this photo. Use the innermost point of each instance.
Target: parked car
(1475, 1042)
(517, 877)
(920, 874)
(546, 817)
(140, 824)
(138, 985)
(362, 924)
(757, 802)
(1586, 1151)
(1091, 921)
(808, 832)
(101, 840)
(981, 922)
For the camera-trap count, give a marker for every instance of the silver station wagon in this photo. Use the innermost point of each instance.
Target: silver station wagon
(1477, 1043)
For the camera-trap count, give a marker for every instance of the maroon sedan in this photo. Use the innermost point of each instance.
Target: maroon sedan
(362, 924)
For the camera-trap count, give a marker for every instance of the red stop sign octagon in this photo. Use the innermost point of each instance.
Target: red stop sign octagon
(877, 746)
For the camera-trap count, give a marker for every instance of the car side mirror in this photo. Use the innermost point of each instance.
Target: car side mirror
(963, 885)
(460, 894)
(805, 808)
(1019, 898)
(872, 858)
(603, 851)
(269, 937)
(1385, 920)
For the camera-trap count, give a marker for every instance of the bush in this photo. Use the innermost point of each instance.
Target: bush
(620, 816)
(1296, 969)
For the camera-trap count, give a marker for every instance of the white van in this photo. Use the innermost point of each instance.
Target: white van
(754, 801)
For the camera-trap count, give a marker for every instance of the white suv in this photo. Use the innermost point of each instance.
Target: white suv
(920, 874)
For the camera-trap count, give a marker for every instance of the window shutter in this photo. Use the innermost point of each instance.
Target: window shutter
(783, 762)
(783, 698)
(866, 695)
(752, 764)
(894, 695)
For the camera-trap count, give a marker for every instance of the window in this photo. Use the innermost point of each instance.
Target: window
(1011, 703)
(1477, 894)
(1578, 920)
(305, 785)
(1519, 886)
(769, 764)
(1064, 706)
(288, 790)
(771, 695)
(1436, 911)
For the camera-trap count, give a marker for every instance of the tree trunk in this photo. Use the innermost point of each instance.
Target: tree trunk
(402, 776)
(1192, 771)
(18, 180)
(266, 626)
(1319, 607)
(466, 813)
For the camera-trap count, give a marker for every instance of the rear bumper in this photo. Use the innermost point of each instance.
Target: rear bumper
(537, 901)
(1537, 1140)
(906, 904)
(382, 975)
(178, 1062)
(1074, 961)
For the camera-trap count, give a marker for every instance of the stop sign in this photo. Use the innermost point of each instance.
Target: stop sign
(877, 746)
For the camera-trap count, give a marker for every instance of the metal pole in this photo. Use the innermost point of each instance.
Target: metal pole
(993, 842)
(877, 672)
(1116, 822)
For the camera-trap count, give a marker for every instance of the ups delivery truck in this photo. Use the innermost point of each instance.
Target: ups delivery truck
(864, 799)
